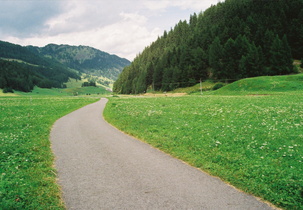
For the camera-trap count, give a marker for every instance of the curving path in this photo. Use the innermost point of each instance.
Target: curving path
(99, 167)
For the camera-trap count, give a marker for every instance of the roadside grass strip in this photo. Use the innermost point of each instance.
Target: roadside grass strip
(27, 174)
(252, 142)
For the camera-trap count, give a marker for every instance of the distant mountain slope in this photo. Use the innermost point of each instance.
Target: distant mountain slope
(21, 69)
(84, 59)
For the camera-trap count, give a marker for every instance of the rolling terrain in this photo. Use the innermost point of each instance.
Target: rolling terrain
(84, 59)
(23, 68)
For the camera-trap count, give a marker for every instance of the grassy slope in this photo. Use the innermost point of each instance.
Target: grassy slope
(206, 86)
(265, 85)
(74, 86)
(7, 94)
(253, 142)
(28, 179)
(78, 90)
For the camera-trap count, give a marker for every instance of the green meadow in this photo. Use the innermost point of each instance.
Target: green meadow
(266, 85)
(248, 133)
(249, 139)
(28, 177)
(76, 91)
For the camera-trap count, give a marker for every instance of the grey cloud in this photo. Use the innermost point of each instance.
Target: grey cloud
(22, 18)
(122, 27)
(80, 15)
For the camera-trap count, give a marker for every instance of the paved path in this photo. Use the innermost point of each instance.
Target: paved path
(99, 167)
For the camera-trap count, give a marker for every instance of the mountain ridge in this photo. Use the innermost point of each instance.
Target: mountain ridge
(84, 59)
(23, 67)
(20, 69)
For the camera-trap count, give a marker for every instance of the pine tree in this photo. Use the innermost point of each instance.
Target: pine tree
(280, 57)
(167, 79)
(185, 66)
(276, 57)
(287, 56)
(149, 74)
(158, 75)
(215, 57)
(230, 60)
(252, 64)
(193, 20)
(267, 43)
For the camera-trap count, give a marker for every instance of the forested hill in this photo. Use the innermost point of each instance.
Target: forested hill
(20, 69)
(84, 59)
(229, 41)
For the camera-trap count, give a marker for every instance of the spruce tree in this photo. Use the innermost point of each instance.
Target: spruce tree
(230, 60)
(267, 42)
(280, 57)
(158, 75)
(215, 57)
(287, 56)
(276, 57)
(252, 65)
(166, 81)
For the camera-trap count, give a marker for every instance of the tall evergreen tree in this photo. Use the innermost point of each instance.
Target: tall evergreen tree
(158, 74)
(215, 57)
(230, 60)
(252, 63)
(288, 60)
(167, 84)
(267, 42)
(280, 57)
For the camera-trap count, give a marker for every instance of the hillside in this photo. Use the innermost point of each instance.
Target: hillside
(20, 69)
(229, 41)
(84, 59)
(264, 85)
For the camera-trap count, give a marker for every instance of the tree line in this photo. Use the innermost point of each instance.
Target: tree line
(229, 41)
(23, 77)
(21, 70)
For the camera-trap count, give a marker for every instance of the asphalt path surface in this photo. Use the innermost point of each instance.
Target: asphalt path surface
(100, 167)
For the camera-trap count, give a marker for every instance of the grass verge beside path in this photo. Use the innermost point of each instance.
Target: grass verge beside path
(28, 178)
(253, 142)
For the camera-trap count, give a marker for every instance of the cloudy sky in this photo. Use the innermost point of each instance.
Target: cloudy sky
(121, 27)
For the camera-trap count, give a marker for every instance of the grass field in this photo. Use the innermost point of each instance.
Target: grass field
(277, 85)
(6, 94)
(206, 86)
(74, 91)
(248, 133)
(75, 86)
(28, 178)
(253, 142)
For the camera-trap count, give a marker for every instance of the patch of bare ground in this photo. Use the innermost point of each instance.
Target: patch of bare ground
(259, 95)
(164, 94)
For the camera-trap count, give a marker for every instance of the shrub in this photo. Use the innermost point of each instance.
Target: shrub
(218, 86)
(88, 84)
(8, 90)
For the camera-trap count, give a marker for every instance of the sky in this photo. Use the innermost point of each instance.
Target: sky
(120, 27)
